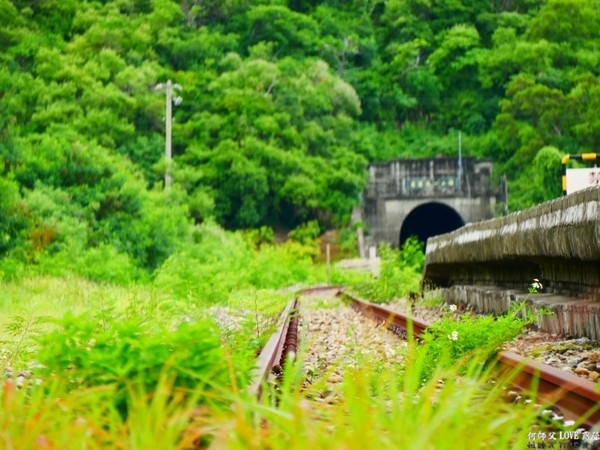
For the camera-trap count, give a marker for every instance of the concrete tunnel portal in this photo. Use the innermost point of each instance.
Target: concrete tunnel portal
(429, 219)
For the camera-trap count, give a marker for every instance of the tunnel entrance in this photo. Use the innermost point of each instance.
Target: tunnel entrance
(429, 219)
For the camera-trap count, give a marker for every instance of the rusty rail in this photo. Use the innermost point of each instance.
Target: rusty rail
(577, 398)
(283, 341)
(397, 323)
(321, 288)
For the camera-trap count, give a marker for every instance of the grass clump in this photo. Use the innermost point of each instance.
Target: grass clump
(455, 337)
(90, 351)
(53, 416)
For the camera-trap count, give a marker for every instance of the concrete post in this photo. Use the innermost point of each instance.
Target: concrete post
(361, 242)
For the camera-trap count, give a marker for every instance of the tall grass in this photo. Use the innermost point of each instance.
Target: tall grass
(53, 417)
(31, 306)
(384, 409)
(124, 368)
(388, 408)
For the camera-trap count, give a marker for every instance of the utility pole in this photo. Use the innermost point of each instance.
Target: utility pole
(169, 101)
(460, 168)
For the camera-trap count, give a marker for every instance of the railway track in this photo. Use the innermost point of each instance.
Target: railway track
(577, 399)
(574, 396)
(283, 343)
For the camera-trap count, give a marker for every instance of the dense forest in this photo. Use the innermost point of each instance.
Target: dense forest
(284, 104)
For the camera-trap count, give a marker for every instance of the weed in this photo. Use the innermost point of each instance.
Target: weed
(450, 339)
(21, 333)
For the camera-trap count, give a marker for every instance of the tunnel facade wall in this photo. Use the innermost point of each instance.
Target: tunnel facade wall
(396, 211)
(396, 188)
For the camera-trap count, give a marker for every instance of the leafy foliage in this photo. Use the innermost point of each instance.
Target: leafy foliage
(285, 104)
(220, 262)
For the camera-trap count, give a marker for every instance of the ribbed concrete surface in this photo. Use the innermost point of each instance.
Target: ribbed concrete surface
(565, 228)
(557, 242)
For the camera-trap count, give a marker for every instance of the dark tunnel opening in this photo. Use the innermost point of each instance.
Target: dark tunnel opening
(429, 220)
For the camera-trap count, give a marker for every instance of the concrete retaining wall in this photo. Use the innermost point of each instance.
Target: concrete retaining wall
(557, 242)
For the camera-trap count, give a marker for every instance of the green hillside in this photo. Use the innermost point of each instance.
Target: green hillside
(284, 105)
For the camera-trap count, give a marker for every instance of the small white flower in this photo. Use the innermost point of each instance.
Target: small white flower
(536, 285)
(453, 336)
(452, 308)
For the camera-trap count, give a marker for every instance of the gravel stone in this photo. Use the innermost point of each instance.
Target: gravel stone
(337, 338)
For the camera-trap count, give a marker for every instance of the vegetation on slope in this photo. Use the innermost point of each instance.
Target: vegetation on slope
(284, 104)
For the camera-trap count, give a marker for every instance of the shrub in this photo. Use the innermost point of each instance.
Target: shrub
(347, 240)
(102, 263)
(220, 262)
(12, 220)
(306, 233)
(257, 237)
(412, 255)
(11, 269)
(98, 349)
(400, 273)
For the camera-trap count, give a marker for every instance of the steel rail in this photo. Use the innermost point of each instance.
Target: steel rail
(576, 397)
(283, 341)
(336, 288)
(397, 323)
(274, 353)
